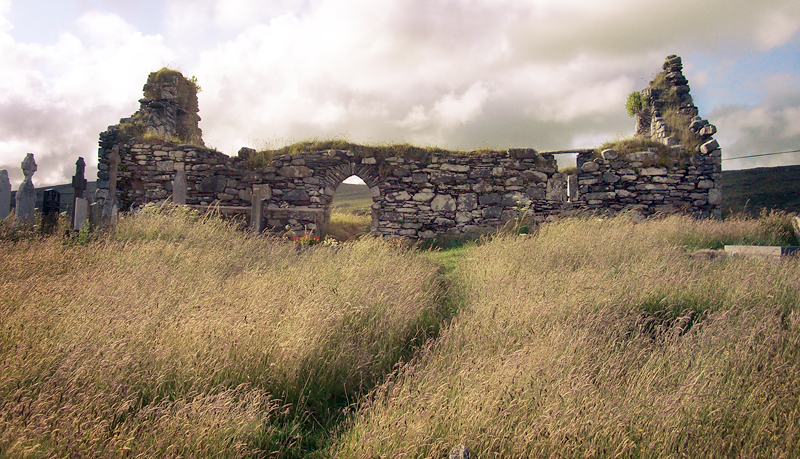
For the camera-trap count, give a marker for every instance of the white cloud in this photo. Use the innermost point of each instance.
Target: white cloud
(452, 111)
(457, 73)
(773, 125)
(415, 119)
(55, 99)
(777, 28)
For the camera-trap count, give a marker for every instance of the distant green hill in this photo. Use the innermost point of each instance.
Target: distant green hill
(750, 190)
(355, 199)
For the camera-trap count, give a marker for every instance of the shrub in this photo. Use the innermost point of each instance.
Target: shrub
(634, 103)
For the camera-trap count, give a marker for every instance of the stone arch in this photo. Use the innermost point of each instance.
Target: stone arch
(335, 175)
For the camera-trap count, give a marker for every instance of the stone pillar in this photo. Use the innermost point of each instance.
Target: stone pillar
(556, 188)
(260, 193)
(5, 194)
(179, 185)
(572, 187)
(81, 213)
(110, 204)
(26, 194)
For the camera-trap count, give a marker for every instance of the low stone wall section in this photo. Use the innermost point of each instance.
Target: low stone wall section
(648, 183)
(420, 197)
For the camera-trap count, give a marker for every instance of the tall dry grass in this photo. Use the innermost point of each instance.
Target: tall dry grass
(603, 338)
(346, 226)
(174, 335)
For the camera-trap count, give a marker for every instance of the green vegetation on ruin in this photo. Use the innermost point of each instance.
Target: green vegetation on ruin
(633, 144)
(378, 150)
(677, 122)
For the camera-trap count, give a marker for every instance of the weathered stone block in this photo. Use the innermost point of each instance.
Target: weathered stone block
(515, 199)
(709, 146)
(590, 166)
(463, 217)
(492, 212)
(610, 154)
(489, 199)
(467, 202)
(515, 182)
(653, 171)
(419, 177)
(297, 195)
(454, 167)
(715, 196)
(294, 171)
(522, 153)
(213, 184)
(443, 203)
(534, 176)
(642, 156)
(423, 196)
(401, 196)
(536, 193)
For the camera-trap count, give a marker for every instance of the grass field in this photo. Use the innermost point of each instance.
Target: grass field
(176, 336)
(355, 199)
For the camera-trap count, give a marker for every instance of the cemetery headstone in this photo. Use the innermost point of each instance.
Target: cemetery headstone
(50, 206)
(110, 204)
(179, 185)
(78, 181)
(26, 193)
(5, 194)
(81, 213)
(96, 214)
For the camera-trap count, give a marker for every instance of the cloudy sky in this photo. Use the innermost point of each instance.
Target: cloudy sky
(548, 74)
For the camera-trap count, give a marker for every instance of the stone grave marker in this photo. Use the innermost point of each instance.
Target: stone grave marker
(5, 194)
(109, 206)
(51, 205)
(179, 185)
(26, 193)
(81, 213)
(79, 184)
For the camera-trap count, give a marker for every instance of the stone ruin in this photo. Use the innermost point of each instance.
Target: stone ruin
(418, 195)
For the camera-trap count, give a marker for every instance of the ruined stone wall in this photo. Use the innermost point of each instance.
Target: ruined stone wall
(418, 196)
(648, 183)
(425, 197)
(421, 197)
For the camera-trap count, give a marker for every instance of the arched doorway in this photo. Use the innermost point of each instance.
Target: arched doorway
(350, 211)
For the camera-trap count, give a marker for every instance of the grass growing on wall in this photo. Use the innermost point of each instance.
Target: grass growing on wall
(632, 144)
(677, 122)
(380, 150)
